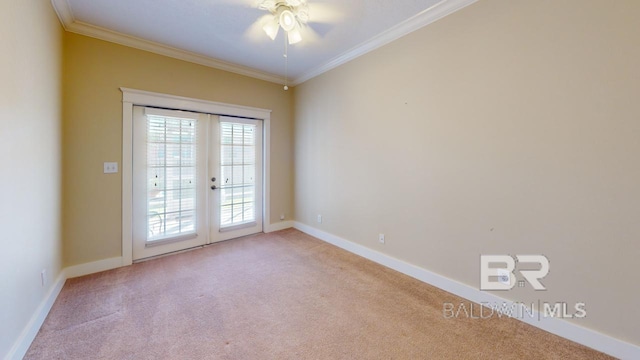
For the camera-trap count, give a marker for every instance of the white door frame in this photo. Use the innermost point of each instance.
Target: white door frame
(132, 97)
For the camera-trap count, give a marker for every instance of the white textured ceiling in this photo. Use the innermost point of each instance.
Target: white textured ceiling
(224, 31)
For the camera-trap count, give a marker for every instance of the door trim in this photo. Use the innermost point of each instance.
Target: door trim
(131, 97)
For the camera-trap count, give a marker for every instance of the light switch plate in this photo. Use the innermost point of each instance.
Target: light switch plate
(110, 167)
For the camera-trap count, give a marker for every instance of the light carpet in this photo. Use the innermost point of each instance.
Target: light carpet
(283, 295)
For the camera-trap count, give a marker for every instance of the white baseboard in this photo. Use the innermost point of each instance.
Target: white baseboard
(563, 328)
(29, 333)
(278, 226)
(92, 267)
(31, 330)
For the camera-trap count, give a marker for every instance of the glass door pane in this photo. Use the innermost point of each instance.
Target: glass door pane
(169, 185)
(237, 168)
(237, 204)
(171, 177)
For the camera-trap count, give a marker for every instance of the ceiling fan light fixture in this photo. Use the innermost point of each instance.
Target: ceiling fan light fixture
(294, 35)
(302, 14)
(271, 28)
(267, 5)
(287, 20)
(294, 2)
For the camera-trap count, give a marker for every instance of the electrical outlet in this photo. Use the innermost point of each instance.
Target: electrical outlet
(381, 238)
(110, 167)
(319, 219)
(43, 277)
(281, 216)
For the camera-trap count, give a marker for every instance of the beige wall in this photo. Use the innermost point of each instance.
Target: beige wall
(510, 127)
(30, 115)
(92, 132)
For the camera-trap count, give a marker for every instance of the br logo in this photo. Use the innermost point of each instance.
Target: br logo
(503, 267)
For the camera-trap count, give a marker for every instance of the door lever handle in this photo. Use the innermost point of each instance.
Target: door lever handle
(213, 187)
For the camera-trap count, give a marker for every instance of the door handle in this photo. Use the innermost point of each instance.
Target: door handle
(213, 187)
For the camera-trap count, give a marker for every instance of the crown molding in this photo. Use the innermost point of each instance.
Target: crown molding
(422, 19)
(63, 10)
(70, 24)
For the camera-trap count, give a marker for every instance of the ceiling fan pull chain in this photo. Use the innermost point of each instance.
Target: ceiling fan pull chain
(286, 63)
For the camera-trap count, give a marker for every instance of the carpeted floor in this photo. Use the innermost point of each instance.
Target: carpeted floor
(283, 295)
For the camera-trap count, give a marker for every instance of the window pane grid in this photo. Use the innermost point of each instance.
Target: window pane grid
(171, 177)
(237, 159)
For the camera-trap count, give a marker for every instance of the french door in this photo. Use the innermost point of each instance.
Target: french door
(197, 179)
(236, 182)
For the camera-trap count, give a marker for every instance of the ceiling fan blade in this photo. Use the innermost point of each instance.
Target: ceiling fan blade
(309, 35)
(317, 30)
(294, 2)
(324, 13)
(256, 31)
(244, 3)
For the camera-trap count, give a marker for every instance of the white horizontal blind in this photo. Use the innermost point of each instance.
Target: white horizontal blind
(238, 170)
(171, 176)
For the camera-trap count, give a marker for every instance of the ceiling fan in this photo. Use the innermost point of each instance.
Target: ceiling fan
(291, 15)
(296, 18)
(300, 19)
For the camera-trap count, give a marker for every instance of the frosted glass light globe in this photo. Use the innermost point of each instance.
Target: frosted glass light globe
(287, 20)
